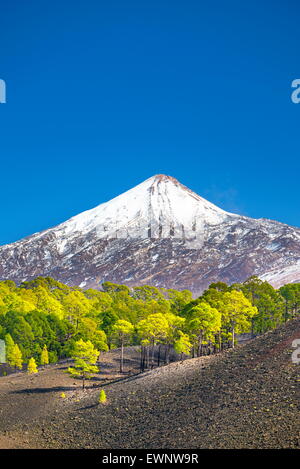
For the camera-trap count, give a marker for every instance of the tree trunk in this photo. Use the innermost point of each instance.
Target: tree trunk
(122, 355)
(152, 355)
(286, 311)
(233, 336)
(168, 354)
(199, 353)
(142, 362)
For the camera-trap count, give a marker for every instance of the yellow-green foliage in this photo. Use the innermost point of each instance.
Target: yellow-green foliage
(16, 357)
(44, 356)
(182, 345)
(9, 344)
(32, 368)
(13, 353)
(45, 317)
(85, 356)
(102, 397)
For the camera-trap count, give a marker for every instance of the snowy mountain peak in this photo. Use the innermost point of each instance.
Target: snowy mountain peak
(160, 207)
(164, 177)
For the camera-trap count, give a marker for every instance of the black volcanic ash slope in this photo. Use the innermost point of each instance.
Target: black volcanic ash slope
(244, 398)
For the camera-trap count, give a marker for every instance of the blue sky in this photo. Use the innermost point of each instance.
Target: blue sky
(102, 95)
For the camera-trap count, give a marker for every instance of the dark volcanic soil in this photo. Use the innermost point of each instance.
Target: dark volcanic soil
(244, 398)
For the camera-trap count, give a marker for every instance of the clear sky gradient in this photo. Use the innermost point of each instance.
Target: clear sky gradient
(104, 94)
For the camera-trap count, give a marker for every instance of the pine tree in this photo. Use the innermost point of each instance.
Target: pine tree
(44, 356)
(183, 344)
(102, 397)
(123, 329)
(16, 357)
(203, 322)
(238, 312)
(9, 346)
(32, 368)
(152, 330)
(176, 323)
(85, 357)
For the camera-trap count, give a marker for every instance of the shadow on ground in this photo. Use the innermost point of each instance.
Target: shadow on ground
(44, 390)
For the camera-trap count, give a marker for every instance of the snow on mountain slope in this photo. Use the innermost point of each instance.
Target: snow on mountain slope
(159, 207)
(160, 233)
(280, 276)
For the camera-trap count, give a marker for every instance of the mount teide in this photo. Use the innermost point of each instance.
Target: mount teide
(158, 233)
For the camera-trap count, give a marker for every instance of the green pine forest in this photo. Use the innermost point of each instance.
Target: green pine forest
(45, 320)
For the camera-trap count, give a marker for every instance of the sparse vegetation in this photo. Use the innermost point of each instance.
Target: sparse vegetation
(85, 356)
(44, 356)
(32, 368)
(102, 397)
